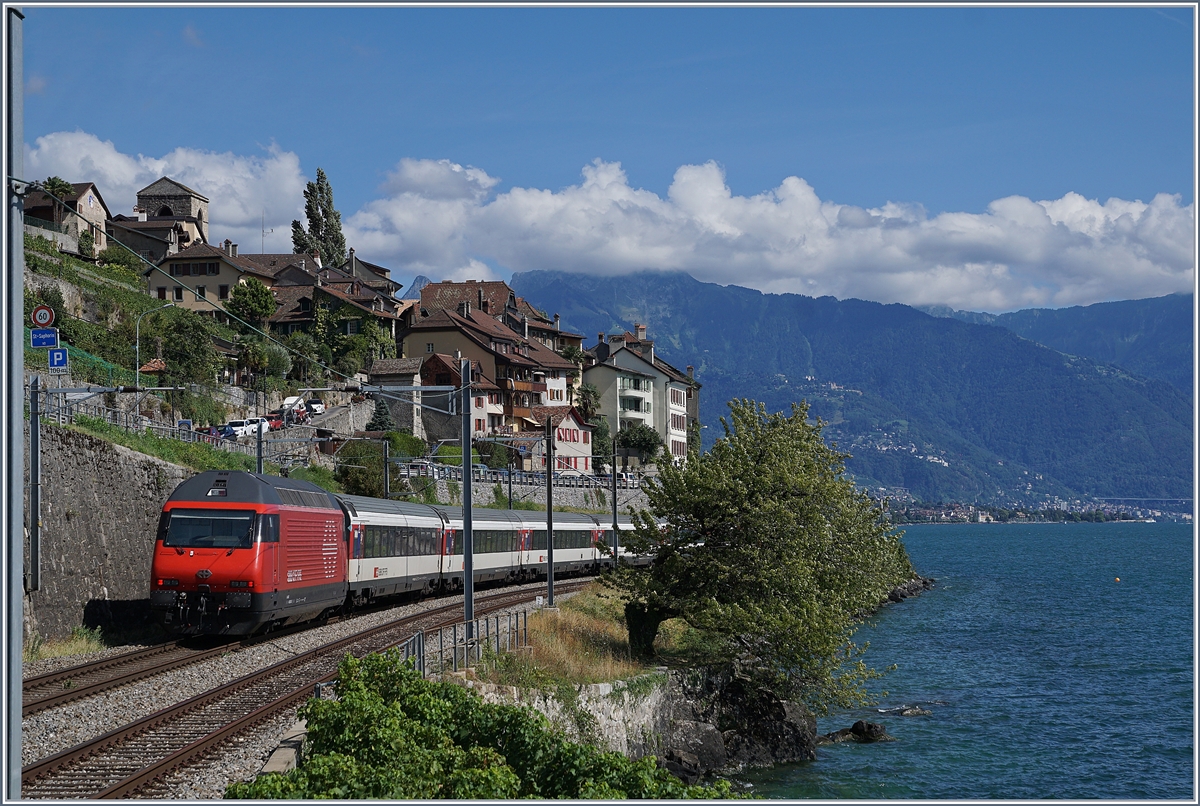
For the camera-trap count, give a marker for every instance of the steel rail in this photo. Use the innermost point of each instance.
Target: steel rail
(115, 764)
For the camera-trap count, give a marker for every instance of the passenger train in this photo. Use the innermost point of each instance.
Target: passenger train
(239, 553)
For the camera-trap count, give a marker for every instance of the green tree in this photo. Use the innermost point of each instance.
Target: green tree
(87, 243)
(252, 302)
(324, 233)
(601, 444)
(58, 188)
(770, 553)
(587, 400)
(304, 356)
(381, 420)
(641, 438)
(360, 468)
(118, 255)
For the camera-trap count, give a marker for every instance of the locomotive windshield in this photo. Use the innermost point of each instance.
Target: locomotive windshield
(209, 528)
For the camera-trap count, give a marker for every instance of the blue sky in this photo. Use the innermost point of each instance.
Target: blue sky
(462, 142)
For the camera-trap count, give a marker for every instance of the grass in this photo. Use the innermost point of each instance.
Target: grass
(584, 642)
(195, 455)
(82, 642)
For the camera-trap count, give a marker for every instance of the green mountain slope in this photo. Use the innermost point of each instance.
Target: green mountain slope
(939, 408)
(1151, 337)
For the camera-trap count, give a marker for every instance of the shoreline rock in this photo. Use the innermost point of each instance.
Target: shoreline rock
(861, 731)
(914, 587)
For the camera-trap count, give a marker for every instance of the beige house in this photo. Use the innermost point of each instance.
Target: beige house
(201, 277)
(86, 212)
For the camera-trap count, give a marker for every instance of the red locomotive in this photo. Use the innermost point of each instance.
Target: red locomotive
(239, 552)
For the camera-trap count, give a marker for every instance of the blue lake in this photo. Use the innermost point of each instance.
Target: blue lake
(1045, 676)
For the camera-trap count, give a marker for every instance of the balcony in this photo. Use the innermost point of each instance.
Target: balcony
(520, 386)
(518, 411)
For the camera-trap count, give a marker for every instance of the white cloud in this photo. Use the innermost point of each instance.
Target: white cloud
(241, 190)
(444, 220)
(1019, 253)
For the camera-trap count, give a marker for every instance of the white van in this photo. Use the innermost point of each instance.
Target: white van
(295, 407)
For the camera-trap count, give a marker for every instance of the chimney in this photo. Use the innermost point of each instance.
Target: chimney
(226, 246)
(233, 250)
(525, 324)
(481, 305)
(316, 256)
(557, 319)
(600, 338)
(691, 372)
(464, 308)
(302, 264)
(640, 332)
(140, 213)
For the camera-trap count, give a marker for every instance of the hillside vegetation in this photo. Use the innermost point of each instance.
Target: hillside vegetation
(939, 408)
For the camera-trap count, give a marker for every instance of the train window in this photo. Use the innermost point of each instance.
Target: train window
(458, 541)
(209, 528)
(267, 529)
(371, 542)
(163, 520)
(539, 540)
(430, 541)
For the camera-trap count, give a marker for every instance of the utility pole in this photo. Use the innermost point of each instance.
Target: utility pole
(13, 468)
(464, 372)
(616, 539)
(35, 483)
(549, 453)
(258, 440)
(387, 477)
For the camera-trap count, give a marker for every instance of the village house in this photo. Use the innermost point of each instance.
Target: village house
(637, 386)
(526, 373)
(572, 440)
(201, 278)
(85, 212)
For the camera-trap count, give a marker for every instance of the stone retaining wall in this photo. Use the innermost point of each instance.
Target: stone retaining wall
(99, 513)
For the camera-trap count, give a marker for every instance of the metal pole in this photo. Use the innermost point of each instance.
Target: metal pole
(387, 483)
(549, 512)
(464, 370)
(35, 484)
(511, 470)
(14, 399)
(616, 540)
(258, 442)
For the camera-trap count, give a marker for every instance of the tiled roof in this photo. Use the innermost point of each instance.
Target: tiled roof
(179, 185)
(203, 250)
(288, 299)
(396, 366)
(154, 365)
(557, 414)
(447, 295)
(39, 198)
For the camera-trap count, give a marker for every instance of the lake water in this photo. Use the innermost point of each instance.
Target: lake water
(1045, 676)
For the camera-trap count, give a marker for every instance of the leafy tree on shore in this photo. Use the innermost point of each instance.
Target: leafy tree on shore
(770, 553)
(58, 188)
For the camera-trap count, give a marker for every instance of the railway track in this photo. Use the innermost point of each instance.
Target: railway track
(129, 761)
(88, 679)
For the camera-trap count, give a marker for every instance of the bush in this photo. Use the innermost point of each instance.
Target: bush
(392, 735)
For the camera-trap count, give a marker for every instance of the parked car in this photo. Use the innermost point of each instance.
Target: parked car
(315, 406)
(239, 427)
(259, 423)
(226, 432)
(295, 407)
(275, 419)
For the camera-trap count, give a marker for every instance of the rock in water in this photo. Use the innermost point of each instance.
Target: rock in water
(861, 731)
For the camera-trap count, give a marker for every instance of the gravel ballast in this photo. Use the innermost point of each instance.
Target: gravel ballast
(58, 729)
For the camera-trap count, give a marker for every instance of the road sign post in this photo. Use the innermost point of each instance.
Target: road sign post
(57, 361)
(42, 316)
(43, 337)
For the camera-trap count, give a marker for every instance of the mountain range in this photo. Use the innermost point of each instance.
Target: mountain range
(939, 405)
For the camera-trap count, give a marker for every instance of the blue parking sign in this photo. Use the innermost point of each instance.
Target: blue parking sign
(43, 337)
(57, 359)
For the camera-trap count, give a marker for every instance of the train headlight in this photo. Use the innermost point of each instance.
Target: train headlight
(241, 583)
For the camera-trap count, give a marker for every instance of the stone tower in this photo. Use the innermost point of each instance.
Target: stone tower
(166, 197)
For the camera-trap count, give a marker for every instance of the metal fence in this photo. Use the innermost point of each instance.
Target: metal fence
(467, 643)
(433, 470)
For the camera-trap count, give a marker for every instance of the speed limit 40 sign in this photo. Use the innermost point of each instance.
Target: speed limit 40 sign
(42, 316)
